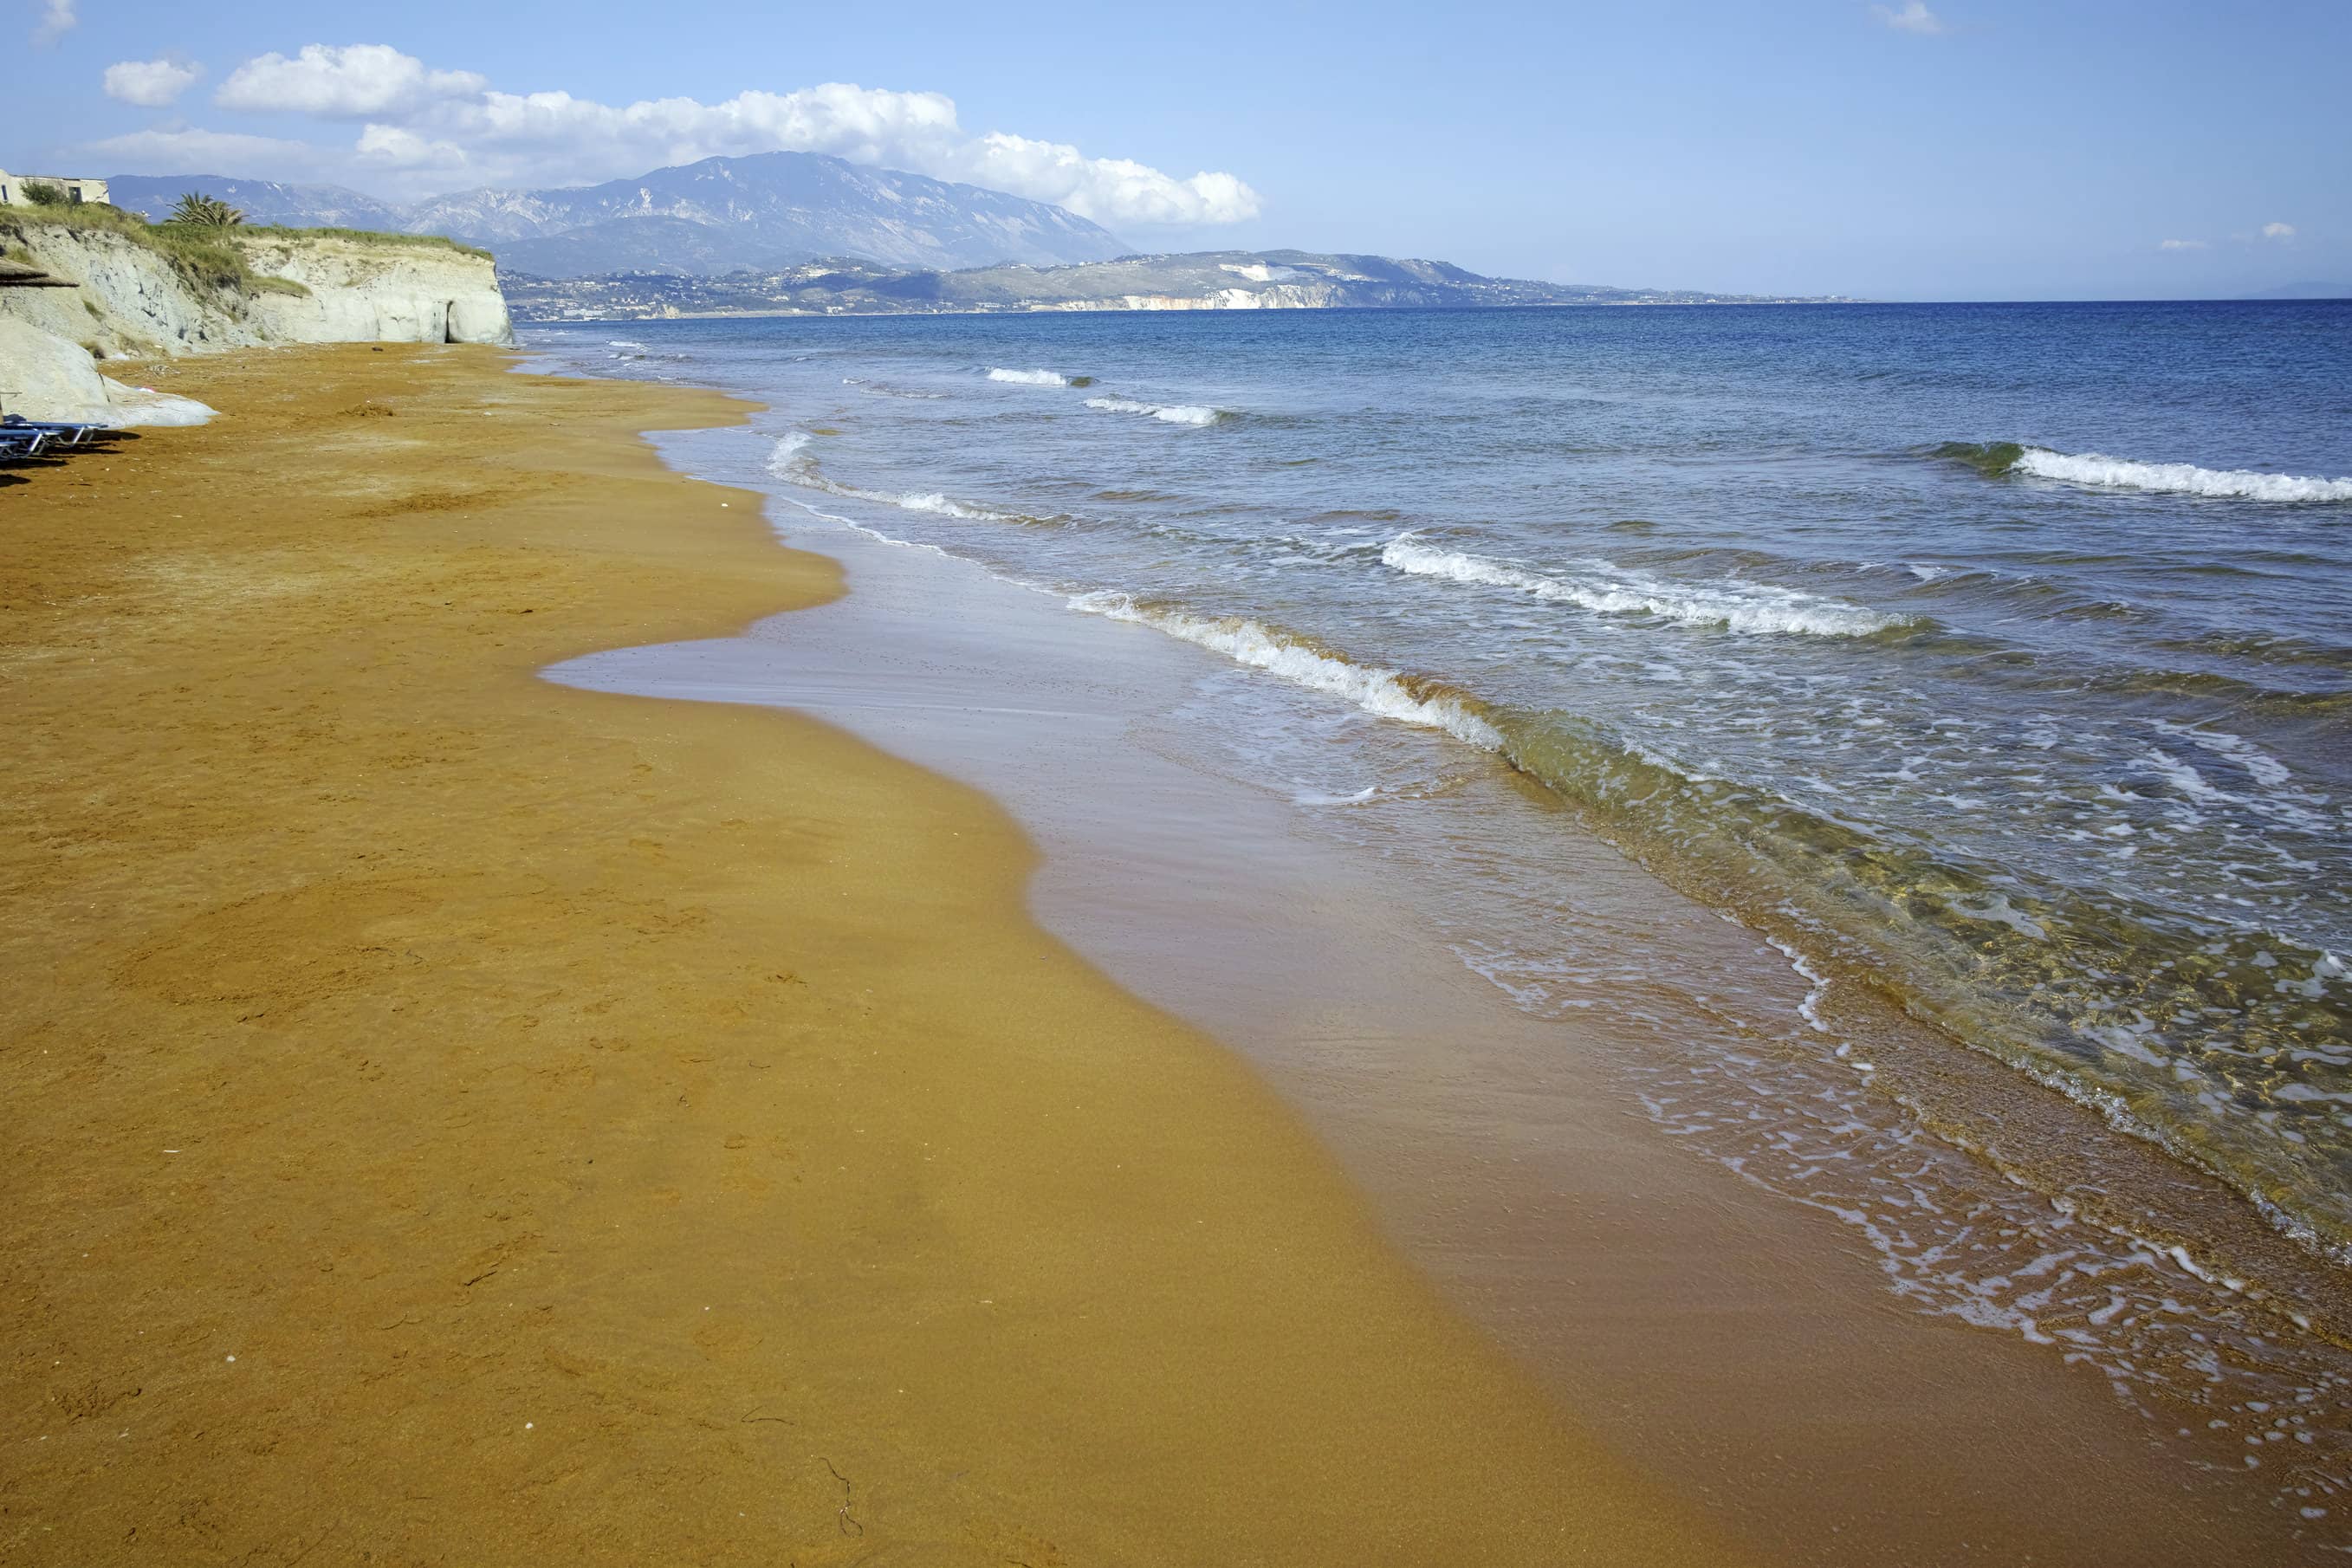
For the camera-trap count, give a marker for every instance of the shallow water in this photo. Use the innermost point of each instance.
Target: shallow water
(1989, 663)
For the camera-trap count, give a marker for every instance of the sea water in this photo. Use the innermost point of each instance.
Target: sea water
(1992, 664)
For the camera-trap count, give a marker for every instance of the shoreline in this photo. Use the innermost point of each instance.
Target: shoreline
(351, 945)
(1489, 1161)
(1728, 1339)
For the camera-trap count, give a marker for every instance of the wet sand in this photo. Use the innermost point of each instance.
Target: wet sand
(457, 1118)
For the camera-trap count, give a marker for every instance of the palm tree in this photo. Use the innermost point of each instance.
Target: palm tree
(204, 212)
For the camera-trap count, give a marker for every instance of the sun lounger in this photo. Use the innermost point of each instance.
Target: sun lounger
(18, 441)
(65, 434)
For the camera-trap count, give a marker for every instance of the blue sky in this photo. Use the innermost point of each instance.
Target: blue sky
(1950, 149)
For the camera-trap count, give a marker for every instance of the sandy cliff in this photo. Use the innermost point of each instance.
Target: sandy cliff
(133, 299)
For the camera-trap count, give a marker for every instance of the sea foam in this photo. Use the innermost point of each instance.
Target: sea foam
(1613, 590)
(1029, 377)
(1387, 693)
(2102, 472)
(789, 458)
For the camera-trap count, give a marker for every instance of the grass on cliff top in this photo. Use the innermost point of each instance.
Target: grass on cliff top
(367, 236)
(208, 257)
(199, 255)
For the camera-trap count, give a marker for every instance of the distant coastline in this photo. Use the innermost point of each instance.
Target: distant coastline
(1203, 280)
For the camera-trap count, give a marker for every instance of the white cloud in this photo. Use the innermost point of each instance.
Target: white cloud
(390, 147)
(345, 83)
(558, 136)
(57, 19)
(2182, 245)
(2278, 231)
(422, 127)
(1914, 17)
(192, 152)
(150, 84)
(1107, 190)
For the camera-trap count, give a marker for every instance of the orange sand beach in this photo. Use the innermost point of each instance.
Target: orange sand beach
(455, 1119)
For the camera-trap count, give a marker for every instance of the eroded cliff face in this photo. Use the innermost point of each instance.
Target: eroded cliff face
(133, 301)
(379, 293)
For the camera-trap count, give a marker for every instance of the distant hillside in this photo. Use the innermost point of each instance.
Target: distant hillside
(1209, 281)
(769, 211)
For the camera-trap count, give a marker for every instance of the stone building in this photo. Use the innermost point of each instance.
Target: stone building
(12, 188)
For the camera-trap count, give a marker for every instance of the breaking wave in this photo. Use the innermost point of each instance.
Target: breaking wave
(936, 504)
(1388, 693)
(2097, 471)
(1030, 377)
(791, 461)
(1173, 413)
(1752, 607)
(2178, 478)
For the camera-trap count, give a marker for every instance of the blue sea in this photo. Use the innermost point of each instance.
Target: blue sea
(1992, 663)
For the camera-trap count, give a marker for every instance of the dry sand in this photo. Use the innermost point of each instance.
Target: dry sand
(455, 1118)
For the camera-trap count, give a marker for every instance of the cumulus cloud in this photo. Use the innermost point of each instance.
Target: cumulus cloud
(425, 129)
(2278, 231)
(57, 19)
(392, 147)
(1109, 190)
(1914, 17)
(2182, 245)
(150, 84)
(347, 83)
(554, 134)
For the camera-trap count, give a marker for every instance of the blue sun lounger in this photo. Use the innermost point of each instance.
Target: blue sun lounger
(63, 434)
(18, 441)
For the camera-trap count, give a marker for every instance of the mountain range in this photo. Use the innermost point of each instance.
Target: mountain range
(800, 233)
(767, 211)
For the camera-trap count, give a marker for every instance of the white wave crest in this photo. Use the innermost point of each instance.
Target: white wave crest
(1612, 590)
(1029, 377)
(1385, 693)
(2104, 472)
(936, 504)
(1173, 413)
